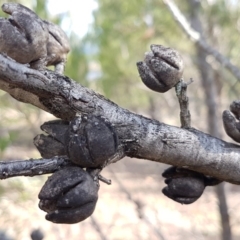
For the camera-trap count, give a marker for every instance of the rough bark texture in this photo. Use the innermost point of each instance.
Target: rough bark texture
(140, 137)
(32, 167)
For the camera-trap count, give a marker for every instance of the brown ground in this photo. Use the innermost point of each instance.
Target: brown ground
(133, 207)
(144, 214)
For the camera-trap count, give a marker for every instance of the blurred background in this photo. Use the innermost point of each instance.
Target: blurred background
(107, 39)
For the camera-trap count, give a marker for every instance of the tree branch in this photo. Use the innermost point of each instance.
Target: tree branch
(32, 167)
(196, 37)
(140, 137)
(181, 92)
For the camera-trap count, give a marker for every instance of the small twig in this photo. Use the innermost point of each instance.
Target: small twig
(105, 180)
(95, 173)
(32, 167)
(181, 92)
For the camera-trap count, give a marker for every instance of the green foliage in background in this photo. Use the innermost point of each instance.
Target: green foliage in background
(123, 32)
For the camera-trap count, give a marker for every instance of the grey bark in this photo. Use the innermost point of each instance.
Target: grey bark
(32, 167)
(140, 137)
